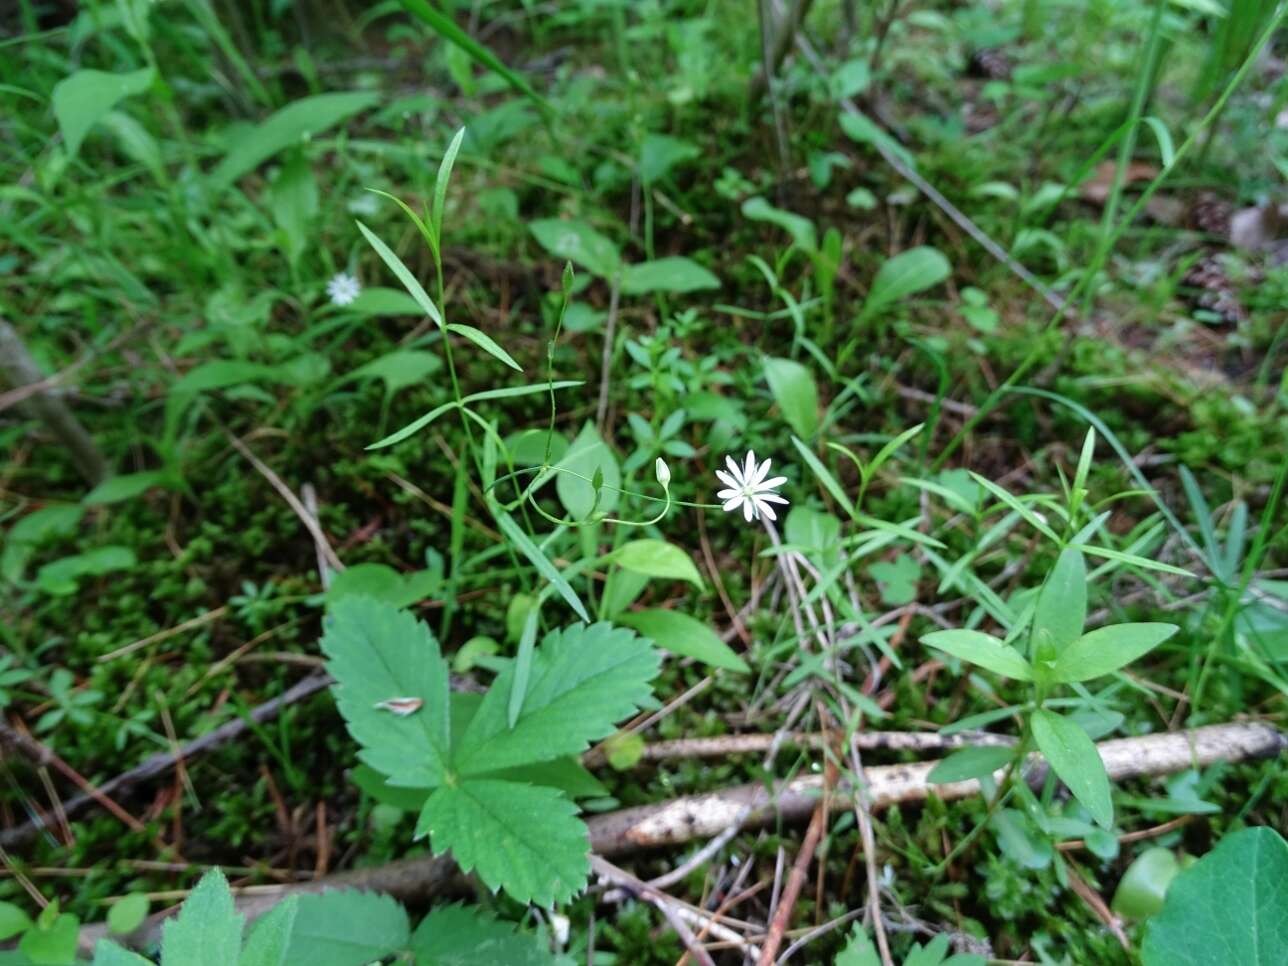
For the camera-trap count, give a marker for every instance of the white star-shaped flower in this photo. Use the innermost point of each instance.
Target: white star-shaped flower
(747, 487)
(343, 289)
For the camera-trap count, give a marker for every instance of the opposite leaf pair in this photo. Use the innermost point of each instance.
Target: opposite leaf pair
(484, 799)
(1060, 653)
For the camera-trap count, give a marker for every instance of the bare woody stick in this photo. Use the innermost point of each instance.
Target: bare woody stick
(702, 816)
(19, 369)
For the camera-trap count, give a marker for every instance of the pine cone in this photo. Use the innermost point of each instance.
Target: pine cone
(1209, 287)
(1210, 214)
(990, 63)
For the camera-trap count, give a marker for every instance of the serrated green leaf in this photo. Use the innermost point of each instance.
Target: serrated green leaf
(1229, 907)
(524, 839)
(270, 937)
(687, 636)
(484, 342)
(403, 274)
(207, 931)
(1061, 609)
(584, 679)
(1106, 649)
(456, 935)
(675, 274)
(983, 649)
(1075, 760)
(377, 653)
(657, 558)
(859, 951)
(347, 928)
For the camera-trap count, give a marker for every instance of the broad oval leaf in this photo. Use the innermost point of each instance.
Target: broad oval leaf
(377, 653)
(398, 369)
(1075, 760)
(796, 394)
(906, 274)
(1106, 649)
(85, 98)
(577, 241)
(687, 636)
(588, 455)
(675, 274)
(126, 486)
(294, 123)
(983, 649)
(657, 558)
(1229, 907)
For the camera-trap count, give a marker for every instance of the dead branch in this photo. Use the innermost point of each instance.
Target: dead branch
(702, 816)
(165, 760)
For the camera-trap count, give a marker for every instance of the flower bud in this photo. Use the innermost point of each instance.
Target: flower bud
(663, 472)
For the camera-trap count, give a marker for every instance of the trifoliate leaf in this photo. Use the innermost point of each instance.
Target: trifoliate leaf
(378, 653)
(347, 928)
(524, 839)
(467, 936)
(207, 931)
(584, 680)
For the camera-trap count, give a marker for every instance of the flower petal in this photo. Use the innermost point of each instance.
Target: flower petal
(728, 494)
(749, 467)
(762, 471)
(728, 480)
(733, 504)
(771, 484)
(766, 510)
(748, 510)
(734, 469)
(771, 498)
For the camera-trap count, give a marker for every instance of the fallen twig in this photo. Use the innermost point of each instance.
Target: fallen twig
(702, 816)
(165, 760)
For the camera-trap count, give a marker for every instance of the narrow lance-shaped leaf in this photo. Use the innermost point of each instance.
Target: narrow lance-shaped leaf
(1106, 649)
(982, 649)
(1062, 606)
(484, 342)
(403, 274)
(1075, 760)
(540, 561)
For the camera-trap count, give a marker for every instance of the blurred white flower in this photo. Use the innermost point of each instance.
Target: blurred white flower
(747, 487)
(343, 289)
(559, 928)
